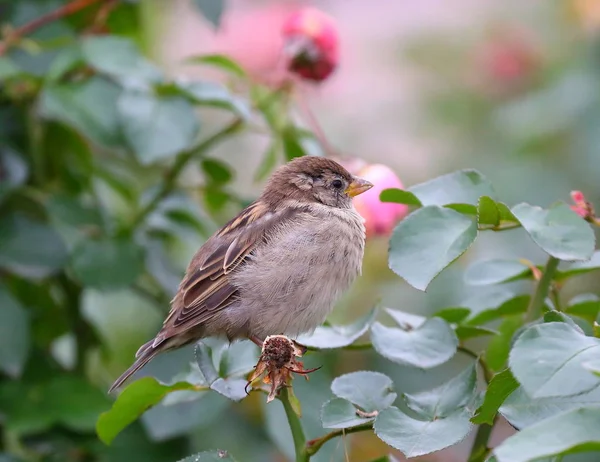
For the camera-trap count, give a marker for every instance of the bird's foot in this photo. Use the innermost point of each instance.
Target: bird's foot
(277, 362)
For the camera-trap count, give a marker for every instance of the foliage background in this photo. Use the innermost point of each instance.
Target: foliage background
(87, 270)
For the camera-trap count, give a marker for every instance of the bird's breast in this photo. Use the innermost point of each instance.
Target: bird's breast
(292, 281)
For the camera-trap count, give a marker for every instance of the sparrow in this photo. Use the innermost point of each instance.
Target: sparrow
(276, 268)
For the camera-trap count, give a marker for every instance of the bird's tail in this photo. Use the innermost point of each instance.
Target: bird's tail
(143, 355)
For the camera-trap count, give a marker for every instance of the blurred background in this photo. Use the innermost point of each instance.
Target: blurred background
(424, 87)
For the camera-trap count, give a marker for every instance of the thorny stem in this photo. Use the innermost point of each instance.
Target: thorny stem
(302, 454)
(316, 126)
(65, 10)
(541, 290)
(487, 373)
(314, 445)
(171, 177)
(480, 450)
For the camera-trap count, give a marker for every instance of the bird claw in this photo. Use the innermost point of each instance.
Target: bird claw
(277, 362)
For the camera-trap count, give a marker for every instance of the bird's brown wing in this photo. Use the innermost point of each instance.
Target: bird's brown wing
(207, 288)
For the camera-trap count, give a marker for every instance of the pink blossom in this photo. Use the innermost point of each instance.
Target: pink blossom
(380, 217)
(311, 44)
(578, 197)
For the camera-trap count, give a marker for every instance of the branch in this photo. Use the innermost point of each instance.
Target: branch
(302, 454)
(313, 446)
(541, 290)
(65, 10)
(171, 177)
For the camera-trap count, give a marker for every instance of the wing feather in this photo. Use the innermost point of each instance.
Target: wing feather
(207, 288)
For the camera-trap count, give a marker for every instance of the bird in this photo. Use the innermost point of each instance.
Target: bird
(278, 267)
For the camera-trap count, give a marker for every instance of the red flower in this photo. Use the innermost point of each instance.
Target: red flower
(311, 44)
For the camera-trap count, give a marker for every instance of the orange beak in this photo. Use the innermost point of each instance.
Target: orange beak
(358, 186)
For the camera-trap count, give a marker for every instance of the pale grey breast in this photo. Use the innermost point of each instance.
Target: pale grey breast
(304, 268)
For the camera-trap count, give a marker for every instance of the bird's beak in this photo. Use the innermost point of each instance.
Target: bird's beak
(358, 186)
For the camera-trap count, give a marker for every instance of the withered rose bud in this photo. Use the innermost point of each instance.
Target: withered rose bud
(277, 362)
(311, 44)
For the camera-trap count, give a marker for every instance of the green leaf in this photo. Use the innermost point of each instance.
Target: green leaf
(89, 107)
(210, 456)
(118, 57)
(418, 437)
(492, 214)
(29, 248)
(371, 391)
(502, 306)
(67, 60)
(487, 212)
(157, 127)
(216, 95)
(339, 413)
(14, 170)
(547, 360)
(521, 410)
(453, 314)
(557, 316)
(466, 332)
(559, 231)
(268, 162)
(444, 400)
(399, 196)
(499, 388)
(107, 263)
(138, 397)
(427, 241)
(232, 388)
(217, 171)
(586, 306)
(325, 337)
(8, 69)
(291, 143)
(580, 267)
(498, 349)
(14, 335)
(65, 400)
(461, 187)
(220, 61)
(490, 272)
(428, 346)
(568, 433)
(211, 10)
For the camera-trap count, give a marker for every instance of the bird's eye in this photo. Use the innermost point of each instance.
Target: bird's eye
(337, 184)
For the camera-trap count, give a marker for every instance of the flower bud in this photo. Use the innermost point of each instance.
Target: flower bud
(311, 44)
(380, 217)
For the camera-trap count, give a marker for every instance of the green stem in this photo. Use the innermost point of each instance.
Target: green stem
(541, 291)
(302, 454)
(313, 446)
(480, 450)
(171, 177)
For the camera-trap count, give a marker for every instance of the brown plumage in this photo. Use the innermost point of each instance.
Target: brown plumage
(277, 267)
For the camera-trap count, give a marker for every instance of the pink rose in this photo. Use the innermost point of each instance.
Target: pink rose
(311, 44)
(380, 217)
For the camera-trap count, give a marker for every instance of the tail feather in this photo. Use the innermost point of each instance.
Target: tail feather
(144, 355)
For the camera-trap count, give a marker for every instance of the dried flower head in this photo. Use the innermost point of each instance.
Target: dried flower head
(277, 362)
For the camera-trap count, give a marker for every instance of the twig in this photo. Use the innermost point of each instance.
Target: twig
(300, 445)
(170, 180)
(541, 290)
(315, 126)
(313, 446)
(480, 450)
(26, 29)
